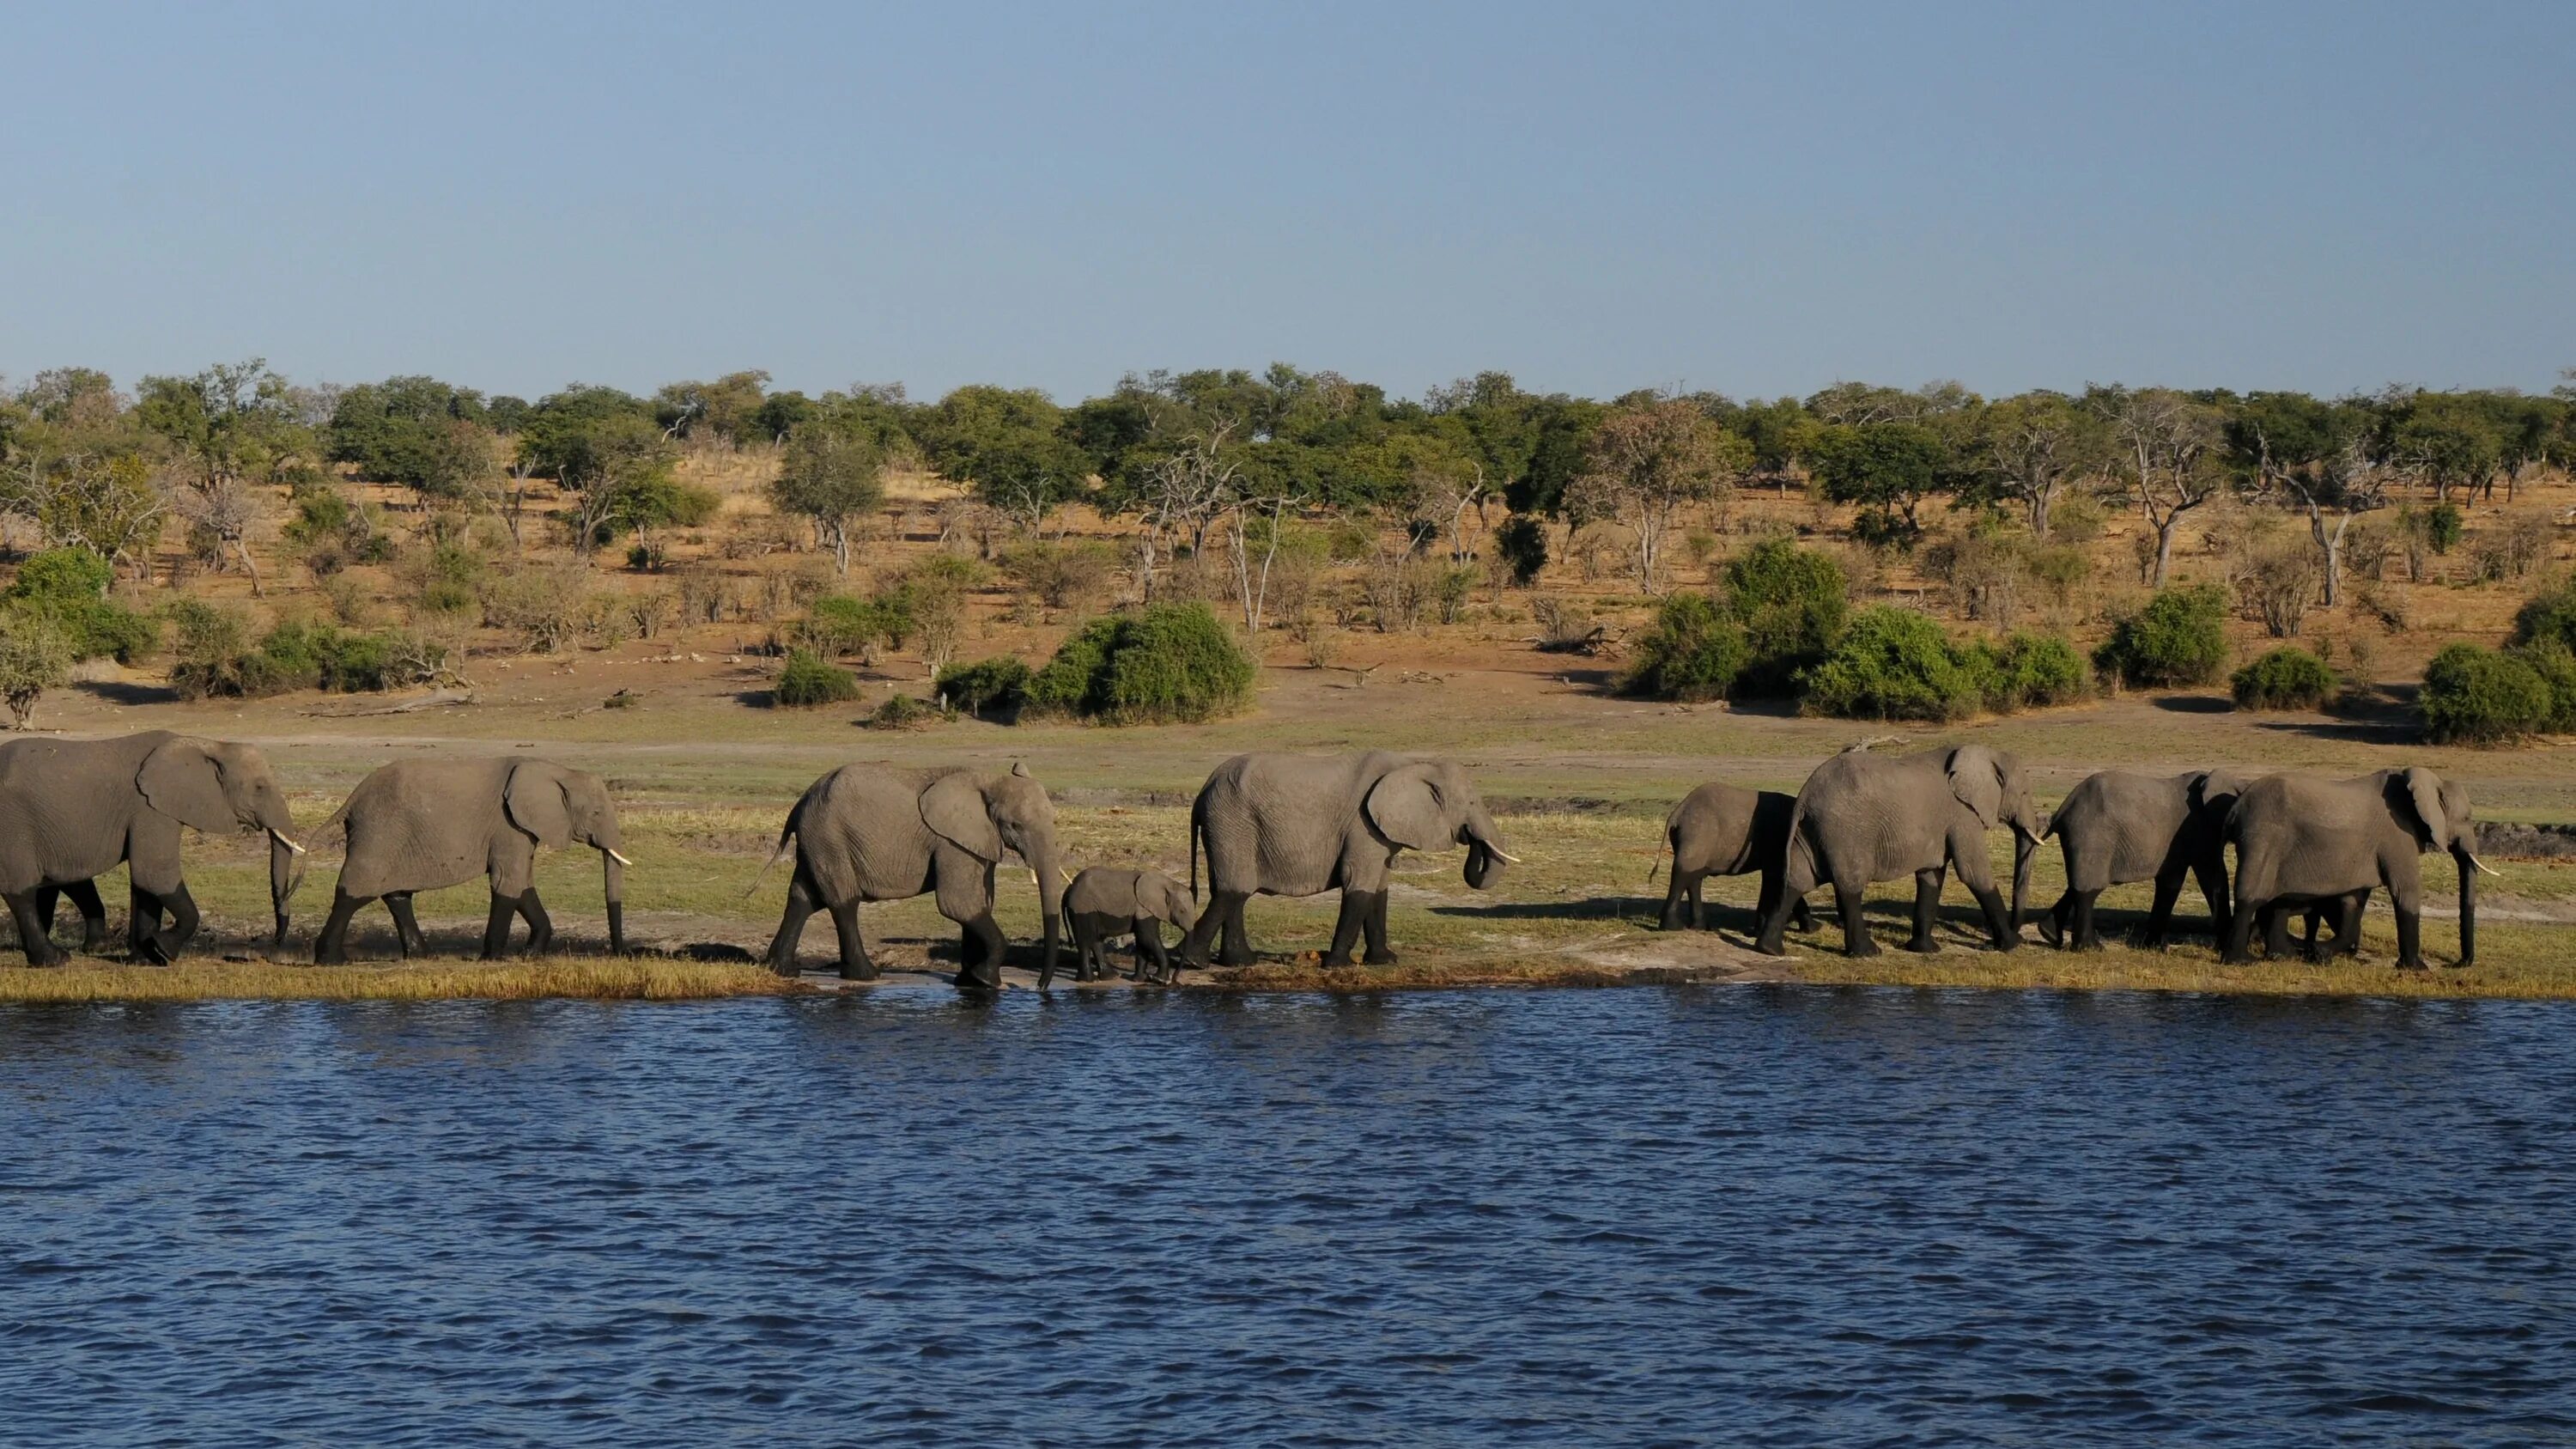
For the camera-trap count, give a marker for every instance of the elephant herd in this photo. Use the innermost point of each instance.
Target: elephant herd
(1267, 824)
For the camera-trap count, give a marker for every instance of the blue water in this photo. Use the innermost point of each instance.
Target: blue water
(1772, 1216)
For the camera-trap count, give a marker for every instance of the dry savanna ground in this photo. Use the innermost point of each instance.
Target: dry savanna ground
(705, 771)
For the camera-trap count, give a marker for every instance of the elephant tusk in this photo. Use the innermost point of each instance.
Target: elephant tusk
(289, 844)
(1508, 857)
(613, 855)
(2482, 865)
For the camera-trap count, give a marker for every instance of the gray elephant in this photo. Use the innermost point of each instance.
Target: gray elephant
(1864, 818)
(421, 825)
(71, 810)
(2120, 826)
(876, 833)
(1721, 829)
(2307, 839)
(1299, 825)
(1103, 904)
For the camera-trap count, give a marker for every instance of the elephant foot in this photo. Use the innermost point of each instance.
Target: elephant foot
(1378, 958)
(862, 973)
(1335, 962)
(1802, 922)
(2049, 933)
(968, 980)
(155, 951)
(2007, 944)
(51, 956)
(1924, 948)
(2460, 965)
(789, 970)
(1236, 960)
(2410, 965)
(1857, 950)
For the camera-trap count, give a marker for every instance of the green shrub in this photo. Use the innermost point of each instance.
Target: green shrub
(1060, 572)
(2179, 638)
(2028, 671)
(211, 654)
(34, 657)
(1893, 663)
(810, 680)
(1694, 652)
(1792, 605)
(2285, 678)
(999, 685)
(2443, 527)
(1522, 541)
(1170, 663)
(67, 587)
(2549, 614)
(2556, 666)
(903, 712)
(837, 624)
(2475, 695)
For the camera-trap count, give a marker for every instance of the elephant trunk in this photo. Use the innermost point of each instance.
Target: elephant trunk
(2025, 854)
(1050, 907)
(2468, 905)
(285, 873)
(612, 871)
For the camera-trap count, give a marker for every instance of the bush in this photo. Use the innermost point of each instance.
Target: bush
(67, 588)
(2179, 638)
(2029, 671)
(544, 606)
(2285, 678)
(810, 680)
(1000, 685)
(2556, 666)
(1792, 604)
(1060, 573)
(903, 712)
(211, 654)
(445, 578)
(1893, 663)
(1172, 662)
(1522, 541)
(2475, 695)
(34, 657)
(1693, 653)
(2443, 526)
(2547, 615)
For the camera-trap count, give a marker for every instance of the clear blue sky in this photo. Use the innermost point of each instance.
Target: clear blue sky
(1755, 199)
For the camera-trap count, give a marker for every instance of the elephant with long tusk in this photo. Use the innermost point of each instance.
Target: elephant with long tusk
(2309, 838)
(420, 825)
(72, 810)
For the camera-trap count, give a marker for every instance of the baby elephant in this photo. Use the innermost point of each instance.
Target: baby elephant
(1721, 829)
(1103, 903)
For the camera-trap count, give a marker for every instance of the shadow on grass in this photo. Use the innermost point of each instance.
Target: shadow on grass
(118, 691)
(2196, 703)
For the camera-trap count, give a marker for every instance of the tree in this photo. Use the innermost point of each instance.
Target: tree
(2451, 440)
(833, 476)
(727, 409)
(604, 446)
(2317, 455)
(2166, 447)
(1888, 468)
(34, 658)
(417, 432)
(234, 425)
(1010, 447)
(2032, 448)
(1645, 462)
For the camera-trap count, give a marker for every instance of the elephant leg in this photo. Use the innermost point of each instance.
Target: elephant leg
(1346, 927)
(2410, 941)
(541, 927)
(1698, 905)
(1676, 895)
(1927, 905)
(496, 926)
(163, 946)
(1224, 913)
(2160, 919)
(142, 917)
(1847, 900)
(45, 897)
(2276, 931)
(2054, 922)
(2212, 876)
(2087, 931)
(40, 949)
(791, 925)
(1238, 941)
(1380, 954)
(2237, 949)
(1086, 943)
(855, 965)
(981, 968)
(2347, 937)
(93, 913)
(331, 948)
(406, 925)
(1152, 963)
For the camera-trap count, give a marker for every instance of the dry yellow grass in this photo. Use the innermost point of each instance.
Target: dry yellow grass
(591, 978)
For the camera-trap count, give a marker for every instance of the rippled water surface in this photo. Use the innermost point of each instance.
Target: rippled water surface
(1688, 1216)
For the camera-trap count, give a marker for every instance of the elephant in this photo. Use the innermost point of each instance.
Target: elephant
(71, 810)
(419, 825)
(1862, 818)
(1103, 903)
(1721, 829)
(2309, 839)
(2120, 826)
(877, 833)
(1300, 825)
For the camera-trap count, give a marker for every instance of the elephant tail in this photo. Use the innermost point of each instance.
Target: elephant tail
(786, 843)
(1198, 826)
(1663, 847)
(1801, 848)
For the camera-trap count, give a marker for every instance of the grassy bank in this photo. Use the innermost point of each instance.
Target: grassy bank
(569, 977)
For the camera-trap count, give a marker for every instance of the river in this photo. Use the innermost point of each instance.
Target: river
(1655, 1216)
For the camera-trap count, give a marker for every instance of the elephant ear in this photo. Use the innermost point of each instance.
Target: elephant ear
(1178, 906)
(1405, 807)
(953, 807)
(2216, 785)
(535, 800)
(2424, 788)
(1976, 777)
(181, 781)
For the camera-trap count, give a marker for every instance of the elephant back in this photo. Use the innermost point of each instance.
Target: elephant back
(1279, 823)
(860, 835)
(418, 825)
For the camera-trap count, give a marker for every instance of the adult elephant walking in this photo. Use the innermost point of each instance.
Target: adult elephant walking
(875, 833)
(2120, 826)
(421, 825)
(1300, 825)
(1864, 818)
(1721, 829)
(2304, 838)
(71, 810)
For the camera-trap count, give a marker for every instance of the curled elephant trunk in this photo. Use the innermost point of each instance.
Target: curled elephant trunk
(1485, 863)
(2468, 865)
(2025, 854)
(285, 873)
(612, 871)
